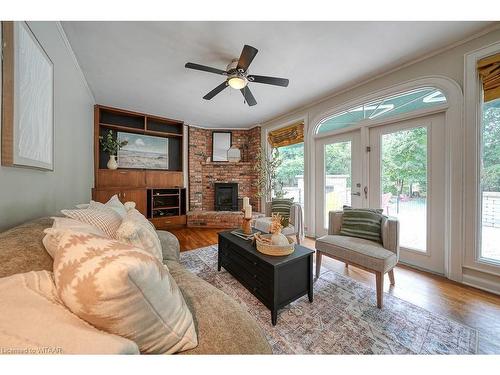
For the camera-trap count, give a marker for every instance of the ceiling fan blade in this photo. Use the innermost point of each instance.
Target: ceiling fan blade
(247, 55)
(269, 80)
(247, 94)
(215, 91)
(204, 68)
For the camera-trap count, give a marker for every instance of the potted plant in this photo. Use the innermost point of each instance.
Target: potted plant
(111, 145)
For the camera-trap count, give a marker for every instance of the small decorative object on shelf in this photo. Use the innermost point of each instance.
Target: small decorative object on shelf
(111, 145)
(234, 154)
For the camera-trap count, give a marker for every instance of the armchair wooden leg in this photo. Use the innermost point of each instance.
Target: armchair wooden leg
(298, 239)
(346, 265)
(380, 288)
(318, 262)
(391, 277)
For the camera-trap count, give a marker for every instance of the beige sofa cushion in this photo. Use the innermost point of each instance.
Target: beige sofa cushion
(138, 231)
(363, 252)
(123, 290)
(263, 224)
(33, 320)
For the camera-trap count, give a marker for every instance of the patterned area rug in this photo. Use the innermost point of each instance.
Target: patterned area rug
(343, 319)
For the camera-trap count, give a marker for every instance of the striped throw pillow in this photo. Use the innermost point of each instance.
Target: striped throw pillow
(105, 219)
(362, 223)
(282, 207)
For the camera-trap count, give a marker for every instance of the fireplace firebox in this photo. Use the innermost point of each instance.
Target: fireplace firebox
(226, 196)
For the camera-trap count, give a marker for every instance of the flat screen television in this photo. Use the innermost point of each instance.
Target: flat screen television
(142, 151)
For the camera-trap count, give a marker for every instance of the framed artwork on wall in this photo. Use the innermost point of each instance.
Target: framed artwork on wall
(221, 143)
(27, 100)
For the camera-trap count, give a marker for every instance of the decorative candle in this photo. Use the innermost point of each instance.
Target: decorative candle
(248, 212)
(246, 202)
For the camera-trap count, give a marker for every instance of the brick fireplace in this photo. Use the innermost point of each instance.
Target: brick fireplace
(204, 174)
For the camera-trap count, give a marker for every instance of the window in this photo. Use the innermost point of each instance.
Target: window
(385, 107)
(290, 173)
(490, 181)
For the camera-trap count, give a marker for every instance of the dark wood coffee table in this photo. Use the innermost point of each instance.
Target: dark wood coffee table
(275, 281)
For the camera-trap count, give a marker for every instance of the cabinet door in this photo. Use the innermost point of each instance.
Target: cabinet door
(104, 195)
(135, 195)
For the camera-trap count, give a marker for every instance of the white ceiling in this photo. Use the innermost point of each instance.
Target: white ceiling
(140, 65)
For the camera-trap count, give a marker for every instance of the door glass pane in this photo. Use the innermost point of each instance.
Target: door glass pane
(404, 184)
(290, 173)
(337, 177)
(490, 181)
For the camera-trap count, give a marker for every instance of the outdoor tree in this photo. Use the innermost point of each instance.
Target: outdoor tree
(404, 162)
(490, 170)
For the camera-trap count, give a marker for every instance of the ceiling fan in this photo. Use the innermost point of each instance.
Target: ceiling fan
(238, 77)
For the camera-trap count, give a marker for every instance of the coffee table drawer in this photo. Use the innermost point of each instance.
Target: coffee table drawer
(251, 266)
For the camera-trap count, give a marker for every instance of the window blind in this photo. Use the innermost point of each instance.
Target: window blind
(489, 72)
(289, 135)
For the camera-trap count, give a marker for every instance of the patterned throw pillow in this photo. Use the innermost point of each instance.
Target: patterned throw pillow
(362, 223)
(138, 231)
(123, 290)
(282, 207)
(103, 218)
(51, 239)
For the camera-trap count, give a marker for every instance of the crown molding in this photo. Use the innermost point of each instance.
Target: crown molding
(66, 42)
(486, 30)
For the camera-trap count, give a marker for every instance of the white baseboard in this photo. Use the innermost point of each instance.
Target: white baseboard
(481, 283)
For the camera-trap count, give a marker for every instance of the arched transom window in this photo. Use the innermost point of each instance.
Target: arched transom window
(384, 107)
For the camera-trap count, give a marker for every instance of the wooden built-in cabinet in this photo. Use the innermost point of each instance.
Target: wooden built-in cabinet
(139, 185)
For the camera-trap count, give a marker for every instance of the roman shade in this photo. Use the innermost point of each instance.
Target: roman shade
(289, 135)
(489, 72)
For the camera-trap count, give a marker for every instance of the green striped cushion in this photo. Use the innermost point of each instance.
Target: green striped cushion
(282, 207)
(362, 223)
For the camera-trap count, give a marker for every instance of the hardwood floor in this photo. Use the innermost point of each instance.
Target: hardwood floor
(470, 306)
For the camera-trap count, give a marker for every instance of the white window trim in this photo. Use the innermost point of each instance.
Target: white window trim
(454, 227)
(472, 198)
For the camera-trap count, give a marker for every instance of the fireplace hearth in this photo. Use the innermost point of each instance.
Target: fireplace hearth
(226, 196)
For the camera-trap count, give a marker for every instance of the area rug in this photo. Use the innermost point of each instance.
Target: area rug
(343, 319)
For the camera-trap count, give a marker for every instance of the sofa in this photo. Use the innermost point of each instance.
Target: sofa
(222, 325)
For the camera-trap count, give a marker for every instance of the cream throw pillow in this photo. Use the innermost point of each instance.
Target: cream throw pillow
(103, 218)
(138, 231)
(123, 290)
(33, 320)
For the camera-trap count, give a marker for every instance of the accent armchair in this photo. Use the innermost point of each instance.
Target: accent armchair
(374, 257)
(295, 228)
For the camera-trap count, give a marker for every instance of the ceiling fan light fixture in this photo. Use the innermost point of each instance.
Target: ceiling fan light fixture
(237, 82)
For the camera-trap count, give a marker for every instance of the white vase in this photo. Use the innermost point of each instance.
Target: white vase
(112, 164)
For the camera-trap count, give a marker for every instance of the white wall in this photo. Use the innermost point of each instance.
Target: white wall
(27, 193)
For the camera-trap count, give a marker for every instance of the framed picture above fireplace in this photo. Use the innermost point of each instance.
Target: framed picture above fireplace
(221, 143)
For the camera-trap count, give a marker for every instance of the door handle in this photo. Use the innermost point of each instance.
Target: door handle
(358, 194)
(366, 192)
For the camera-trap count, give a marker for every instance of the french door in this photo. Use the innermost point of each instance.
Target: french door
(400, 168)
(339, 174)
(406, 180)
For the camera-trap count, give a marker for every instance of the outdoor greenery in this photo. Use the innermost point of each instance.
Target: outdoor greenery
(404, 162)
(490, 171)
(292, 164)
